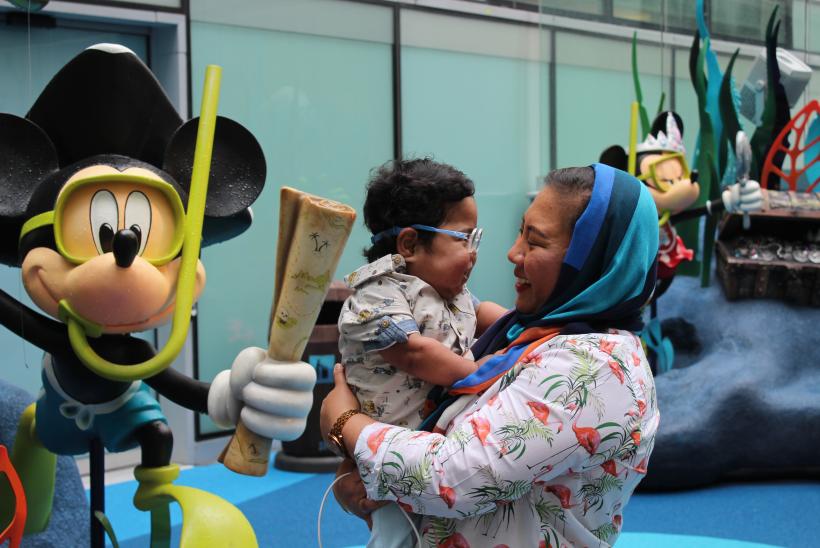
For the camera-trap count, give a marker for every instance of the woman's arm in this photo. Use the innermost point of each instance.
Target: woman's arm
(577, 408)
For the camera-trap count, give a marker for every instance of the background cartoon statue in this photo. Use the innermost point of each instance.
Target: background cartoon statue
(93, 183)
(661, 164)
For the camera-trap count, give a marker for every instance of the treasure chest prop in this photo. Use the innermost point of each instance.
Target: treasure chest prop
(778, 257)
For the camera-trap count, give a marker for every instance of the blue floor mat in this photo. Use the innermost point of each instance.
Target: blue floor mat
(283, 508)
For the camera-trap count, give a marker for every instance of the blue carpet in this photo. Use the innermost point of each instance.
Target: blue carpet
(283, 506)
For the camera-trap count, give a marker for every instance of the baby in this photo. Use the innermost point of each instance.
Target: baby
(410, 322)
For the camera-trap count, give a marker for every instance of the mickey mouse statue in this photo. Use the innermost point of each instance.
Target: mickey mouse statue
(93, 182)
(662, 166)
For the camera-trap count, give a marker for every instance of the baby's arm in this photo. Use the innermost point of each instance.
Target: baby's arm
(428, 360)
(486, 314)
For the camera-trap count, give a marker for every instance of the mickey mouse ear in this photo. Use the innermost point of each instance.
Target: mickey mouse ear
(615, 156)
(27, 156)
(237, 165)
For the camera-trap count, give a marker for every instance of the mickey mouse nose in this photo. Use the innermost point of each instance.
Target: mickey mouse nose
(125, 246)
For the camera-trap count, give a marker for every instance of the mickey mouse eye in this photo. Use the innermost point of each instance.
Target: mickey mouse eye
(104, 217)
(138, 217)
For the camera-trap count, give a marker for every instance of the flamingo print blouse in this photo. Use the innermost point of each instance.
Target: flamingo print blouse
(547, 456)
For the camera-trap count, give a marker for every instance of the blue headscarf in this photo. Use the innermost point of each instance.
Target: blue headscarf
(608, 272)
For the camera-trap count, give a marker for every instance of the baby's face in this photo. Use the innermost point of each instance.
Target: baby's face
(446, 263)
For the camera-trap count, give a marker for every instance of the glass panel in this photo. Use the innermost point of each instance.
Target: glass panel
(488, 116)
(25, 73)
(678, 14)
(806, 25)
(746, 19)
(592, 117)
(161, 3)
(595, 7)
(322, 110)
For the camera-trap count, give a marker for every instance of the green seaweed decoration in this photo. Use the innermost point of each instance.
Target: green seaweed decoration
(636, 80)
(775, 110)
(705, 163)
(731, 124)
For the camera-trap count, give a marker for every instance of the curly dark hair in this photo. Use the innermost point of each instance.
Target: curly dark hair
(574, 184)
(406, 192)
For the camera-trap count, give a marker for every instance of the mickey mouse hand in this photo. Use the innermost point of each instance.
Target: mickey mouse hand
(743, 198)
(273, 398)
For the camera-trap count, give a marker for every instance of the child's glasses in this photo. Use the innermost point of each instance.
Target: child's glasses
(662, 183)
(473, 237)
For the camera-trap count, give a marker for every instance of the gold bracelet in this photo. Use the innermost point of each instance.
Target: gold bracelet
(335, 434)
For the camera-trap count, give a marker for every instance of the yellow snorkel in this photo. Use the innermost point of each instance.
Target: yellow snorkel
(633, 140)
(79, 329)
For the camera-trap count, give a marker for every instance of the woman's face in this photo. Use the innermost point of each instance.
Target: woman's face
(539, 249)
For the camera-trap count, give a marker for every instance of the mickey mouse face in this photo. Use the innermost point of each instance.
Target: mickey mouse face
(116, 260)
(669, 181)
(95, 217)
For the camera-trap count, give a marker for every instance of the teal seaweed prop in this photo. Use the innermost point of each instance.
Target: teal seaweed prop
(775, 111)
(705, 161)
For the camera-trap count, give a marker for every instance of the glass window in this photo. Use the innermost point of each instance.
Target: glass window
(666, 14)
(476, 96)
(745, 20)
(595, 7)
(321, 107)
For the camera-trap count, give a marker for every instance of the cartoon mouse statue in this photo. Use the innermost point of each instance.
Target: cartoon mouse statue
(661, 165)
(93, 186)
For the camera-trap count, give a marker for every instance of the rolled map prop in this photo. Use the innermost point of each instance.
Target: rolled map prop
(312, 235)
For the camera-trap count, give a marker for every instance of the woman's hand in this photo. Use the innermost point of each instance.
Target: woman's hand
(338, 400)
(351, 495)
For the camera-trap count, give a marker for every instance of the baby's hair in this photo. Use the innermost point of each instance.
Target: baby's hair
(574, 185)
(407, 192)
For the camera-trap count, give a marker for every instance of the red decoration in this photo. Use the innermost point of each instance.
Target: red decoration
(14, 531)
(799, 124)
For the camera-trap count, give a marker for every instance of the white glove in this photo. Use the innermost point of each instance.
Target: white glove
(272, 398)
(745, 198)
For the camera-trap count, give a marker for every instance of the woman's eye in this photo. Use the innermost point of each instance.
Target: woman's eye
(104, 217)
(138, 217)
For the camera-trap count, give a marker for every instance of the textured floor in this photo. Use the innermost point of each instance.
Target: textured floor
(283, 507)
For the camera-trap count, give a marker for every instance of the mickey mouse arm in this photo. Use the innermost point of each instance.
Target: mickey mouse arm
(182, 390)
(712, 207)
(37, 329)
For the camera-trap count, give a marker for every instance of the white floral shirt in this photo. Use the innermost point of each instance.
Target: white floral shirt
(388, 305)
(547, 456)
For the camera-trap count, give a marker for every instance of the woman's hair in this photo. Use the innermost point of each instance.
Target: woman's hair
(406, 192)
(574, 185)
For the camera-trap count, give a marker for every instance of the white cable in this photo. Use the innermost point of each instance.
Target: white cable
(322, 508)
(413, 525)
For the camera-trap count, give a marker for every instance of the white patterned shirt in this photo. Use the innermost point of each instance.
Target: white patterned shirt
(388, 305)
(547, 456)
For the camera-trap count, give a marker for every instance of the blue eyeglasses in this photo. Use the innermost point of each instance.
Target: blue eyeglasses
(473, 237)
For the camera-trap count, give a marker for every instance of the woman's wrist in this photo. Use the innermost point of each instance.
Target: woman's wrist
(352, 429)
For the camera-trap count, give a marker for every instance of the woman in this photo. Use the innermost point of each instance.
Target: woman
(548, 439)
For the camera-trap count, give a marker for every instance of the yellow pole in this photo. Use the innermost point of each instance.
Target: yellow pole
(633, 139)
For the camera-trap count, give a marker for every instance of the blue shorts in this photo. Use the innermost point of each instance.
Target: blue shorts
(66, 426)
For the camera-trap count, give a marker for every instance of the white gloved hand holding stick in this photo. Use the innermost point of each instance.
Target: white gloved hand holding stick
(270, 393)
